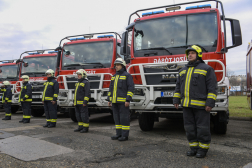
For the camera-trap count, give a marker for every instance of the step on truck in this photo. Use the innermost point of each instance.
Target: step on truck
(9, 71)
(159, 37)
(96, 54)
(34, 64)
(249, 74)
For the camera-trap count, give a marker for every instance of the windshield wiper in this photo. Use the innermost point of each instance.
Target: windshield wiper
(158, 48)
(77, 64)
(96, 63)
(9, 77)
(185, 46)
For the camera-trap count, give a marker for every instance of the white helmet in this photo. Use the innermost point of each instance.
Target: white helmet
(6, 83)
(120, 61)
(82, 72)
(25, 77)
(50, 71)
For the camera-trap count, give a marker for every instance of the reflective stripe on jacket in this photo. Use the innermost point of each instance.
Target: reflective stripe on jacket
(51, 90)
(82, 92)
(7, 94)
(25, 93)
(196, 86)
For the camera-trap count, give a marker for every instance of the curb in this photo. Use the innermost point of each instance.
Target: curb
(241, 118)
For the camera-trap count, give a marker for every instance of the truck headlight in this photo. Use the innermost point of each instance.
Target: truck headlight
(62, 94)
(221, 90)
(138, 92)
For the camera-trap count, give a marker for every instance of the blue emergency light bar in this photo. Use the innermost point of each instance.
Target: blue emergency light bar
(152, 13)
(74, 39)
(105, 36)
(5, 62)
(33, 53)
(198, 6)
(50, 52)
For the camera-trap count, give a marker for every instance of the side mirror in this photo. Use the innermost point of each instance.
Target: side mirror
(26, 64)
(67, 53)
(0, 70)
(124, 43)
(236, 33)
(19, 60)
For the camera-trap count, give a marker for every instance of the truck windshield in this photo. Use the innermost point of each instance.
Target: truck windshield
(37, 66)
(175, 34)
(9, 72)
(88, 55)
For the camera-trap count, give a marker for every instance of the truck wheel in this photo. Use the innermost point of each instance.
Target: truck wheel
(220, 127)
(14, 109)
(146, 121)
(37, 112)
(72, 114)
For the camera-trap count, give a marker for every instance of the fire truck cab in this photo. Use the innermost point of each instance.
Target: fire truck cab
(9, 71)
(96, 54)
(34, 64)
(157, 53)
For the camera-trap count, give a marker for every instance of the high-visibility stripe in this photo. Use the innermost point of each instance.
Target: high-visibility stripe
(121, 99)
(46, 84)
(80, 123)
(26, 116)
(55, 95)
(26, 96)
(118, 126)
(79, 102)
(53, 120)
(85, 124)
(3, 101)
(109, 93)
(6, 98)
(194, 144)
(122, 77)
(27, 100)
(7, 114)
(177, 95)
(125, 127)
(115, 89)
(113, 78)
(212, 96)
(48, 120)
(204, 146)
(110, 98)
(9, 101)
(198, 103)
(51, 83)
(82, 84)
(75, 93)
(48, 98)
(200, 71)
(86, 98)
(130, 94)
(182, 72)
(19, 99)
(187, 86)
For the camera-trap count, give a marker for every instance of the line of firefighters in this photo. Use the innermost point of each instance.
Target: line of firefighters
(195, 91)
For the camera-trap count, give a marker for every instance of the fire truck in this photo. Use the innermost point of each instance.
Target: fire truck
(96, 54)
(34, 64)
(159, 37)
(249, 74)
(9, 70)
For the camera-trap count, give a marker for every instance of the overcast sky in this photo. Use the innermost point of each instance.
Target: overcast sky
(35, 24)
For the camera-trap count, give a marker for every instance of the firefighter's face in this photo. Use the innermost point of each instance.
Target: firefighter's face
(192, 55)
(118, 67)
(23, 80)
(49, 75)
(79, 76)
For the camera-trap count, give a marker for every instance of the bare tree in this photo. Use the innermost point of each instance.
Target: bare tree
(230, 73)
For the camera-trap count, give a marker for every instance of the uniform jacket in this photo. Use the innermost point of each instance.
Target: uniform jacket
(25, 93)
(196, 86)
(51, 90)
(7, 94)
(121, 87)
(82, 92)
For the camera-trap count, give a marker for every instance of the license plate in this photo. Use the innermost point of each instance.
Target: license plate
(35, 96)
(167, 94)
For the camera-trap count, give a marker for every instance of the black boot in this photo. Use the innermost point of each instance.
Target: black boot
(52, 124)
(78, 129)
(192, 152)
(47, 124)
(84, 130)
(21, 121)
(27, 120)
(4, 118)
(201, 153)
(8, 118)
(123, 139)
(115, 137)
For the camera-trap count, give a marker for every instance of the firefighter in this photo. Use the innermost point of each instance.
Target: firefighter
(196, 91)
(7, 99)
(25, 97)
(49, 99)
(81, 98)
(119, 96)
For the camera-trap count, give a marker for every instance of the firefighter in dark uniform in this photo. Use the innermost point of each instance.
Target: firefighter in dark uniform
(49, 99)
(119, 96)
(25, 97)
(81, 98)
(7, 99)
(196, 91)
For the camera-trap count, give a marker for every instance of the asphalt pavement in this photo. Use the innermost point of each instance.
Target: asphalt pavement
(31, 145)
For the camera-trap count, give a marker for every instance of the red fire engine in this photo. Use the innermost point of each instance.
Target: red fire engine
(96, 54)
(9, 71)
(157, 53)
(34, 64)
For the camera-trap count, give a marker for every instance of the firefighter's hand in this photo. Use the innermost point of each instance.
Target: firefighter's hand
(208, 109)
(42, 102)
(127, 104)
(84, 105)
(176, 106)
(5, 102)
(53, 102)
(109, 104)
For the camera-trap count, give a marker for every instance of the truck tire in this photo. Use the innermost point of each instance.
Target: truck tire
(14, 109)
(146, 121)
(220, 122)
(72, 114)
(220, 127)
(37, 112)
